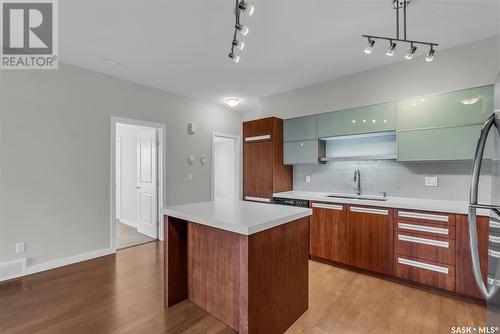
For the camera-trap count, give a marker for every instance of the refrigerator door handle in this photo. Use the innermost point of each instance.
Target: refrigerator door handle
(490, 290)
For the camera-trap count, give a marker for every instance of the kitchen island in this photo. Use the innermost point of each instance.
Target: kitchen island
(244, 263)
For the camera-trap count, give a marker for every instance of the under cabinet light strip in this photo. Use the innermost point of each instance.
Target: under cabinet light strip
(423, 265)
(328, 206)
(421, 228)
(424, 241)
(426, 216)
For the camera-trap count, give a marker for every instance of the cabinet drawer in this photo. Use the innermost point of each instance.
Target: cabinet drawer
(437, 275)
(426, 248)
(413, 216)
(426, 229)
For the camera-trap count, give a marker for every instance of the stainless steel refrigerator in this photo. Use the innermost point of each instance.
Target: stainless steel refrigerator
(489, 137)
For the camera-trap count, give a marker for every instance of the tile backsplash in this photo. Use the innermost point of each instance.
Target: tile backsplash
(396, 178)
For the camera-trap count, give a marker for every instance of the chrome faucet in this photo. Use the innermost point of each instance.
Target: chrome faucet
(357, 179)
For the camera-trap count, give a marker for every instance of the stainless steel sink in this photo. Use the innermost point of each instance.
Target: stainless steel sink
(360, 197)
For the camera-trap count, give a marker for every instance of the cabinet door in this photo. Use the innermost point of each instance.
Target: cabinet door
(301, 128)
(301, 152)
(258, 171)
(370, 238)
(260, 129)
(328, 232)
(447, 109)
(455, 143)
(375, 118)
(465, 282)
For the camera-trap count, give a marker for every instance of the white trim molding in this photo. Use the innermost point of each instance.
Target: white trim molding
(68, 260)
(12, 269)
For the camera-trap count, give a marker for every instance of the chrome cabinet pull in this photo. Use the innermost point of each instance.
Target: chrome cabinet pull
(423, 265)
(421, 228)
(424, 241)
(425, 216)
(369, 210)
(328, 206)
(258, 199)
(255, 138)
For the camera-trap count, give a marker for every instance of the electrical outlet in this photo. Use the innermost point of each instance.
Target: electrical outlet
(20, 247)
(431, 181)
(308, 178)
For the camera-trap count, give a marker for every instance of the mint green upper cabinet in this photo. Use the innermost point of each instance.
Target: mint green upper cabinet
(301, 128)
(375, 118)
(447, 109)
(302, 152)
(451, 143)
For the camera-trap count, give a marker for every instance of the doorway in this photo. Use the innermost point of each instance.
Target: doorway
(225, 167)
(138, 187)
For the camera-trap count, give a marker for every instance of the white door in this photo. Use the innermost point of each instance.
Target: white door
(147, 186)
(224, 167)
(118, 180)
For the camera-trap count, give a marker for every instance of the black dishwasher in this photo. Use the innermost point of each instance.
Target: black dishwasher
(291, 202)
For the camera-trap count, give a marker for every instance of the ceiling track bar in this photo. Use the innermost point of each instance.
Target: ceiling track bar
(400, 40)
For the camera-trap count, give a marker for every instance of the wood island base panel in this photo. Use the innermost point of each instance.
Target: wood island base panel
(254, 283)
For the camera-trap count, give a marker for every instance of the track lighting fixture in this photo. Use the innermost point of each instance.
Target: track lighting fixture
(234, 58)
(238, 44)
(247, 8)
(369, 47)
(411, 53)
(391, 50)
(400, 4)
(430, 55)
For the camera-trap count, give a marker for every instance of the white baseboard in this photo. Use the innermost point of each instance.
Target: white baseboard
(128, 222)
(68, 260)
(12, 269)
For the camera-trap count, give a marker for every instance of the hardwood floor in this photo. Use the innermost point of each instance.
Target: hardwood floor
(124, 294)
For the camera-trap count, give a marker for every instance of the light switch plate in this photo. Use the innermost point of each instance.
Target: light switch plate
(308, 178)
(190, 177)
(431, 181)
(20, 247)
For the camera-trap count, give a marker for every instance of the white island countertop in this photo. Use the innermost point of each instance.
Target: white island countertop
(237, 216)
(391, 202)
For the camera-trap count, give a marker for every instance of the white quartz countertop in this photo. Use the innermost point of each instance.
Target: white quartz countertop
(237, 216)
(392, 202)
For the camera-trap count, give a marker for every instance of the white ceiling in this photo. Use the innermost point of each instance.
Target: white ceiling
(182, 46)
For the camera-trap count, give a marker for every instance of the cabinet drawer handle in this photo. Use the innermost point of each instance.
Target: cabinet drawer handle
(424, 241)
(328, 206)
(425, 216)
(493, 239)
(369, 210)
(436, 230)
(254, 138)
(494, 254)
(494, 224)
(258, 199)
(422, 265)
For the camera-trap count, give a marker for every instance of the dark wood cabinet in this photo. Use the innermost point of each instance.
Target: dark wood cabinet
(465, 282)
(370, 238)
(328, 231)
(263, 170)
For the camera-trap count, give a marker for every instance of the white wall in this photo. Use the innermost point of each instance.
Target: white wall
(471, 65)
(224, 167)
(55, 151)
(129, 134)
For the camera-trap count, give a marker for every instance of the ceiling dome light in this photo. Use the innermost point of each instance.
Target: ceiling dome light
(411, 53)
(242, 29)
(234, 58)
(238, 44)
(369, 47)
(391, 50)
(430, 55)
(232, 101)
(247, 8)
(470, 101)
